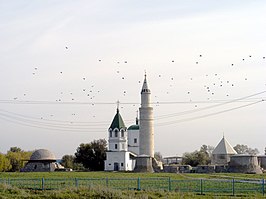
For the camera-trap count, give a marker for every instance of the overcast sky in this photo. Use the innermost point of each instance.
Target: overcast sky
(64, 64)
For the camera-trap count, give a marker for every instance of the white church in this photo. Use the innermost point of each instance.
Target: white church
(125, 145)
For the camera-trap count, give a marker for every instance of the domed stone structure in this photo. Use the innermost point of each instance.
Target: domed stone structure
(42, 160)
(42, 154)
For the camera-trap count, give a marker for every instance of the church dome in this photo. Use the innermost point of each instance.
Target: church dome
(133, 127)
(42, 154)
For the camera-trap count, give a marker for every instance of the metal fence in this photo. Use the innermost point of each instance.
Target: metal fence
(200, 186)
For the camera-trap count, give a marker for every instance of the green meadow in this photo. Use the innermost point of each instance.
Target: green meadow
(128, 175)
(125, 184)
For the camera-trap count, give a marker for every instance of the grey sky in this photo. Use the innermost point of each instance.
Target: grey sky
(166, 38)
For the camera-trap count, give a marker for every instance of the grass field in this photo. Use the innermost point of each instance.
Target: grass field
(101, 192)
(124, 185)
(127, 175)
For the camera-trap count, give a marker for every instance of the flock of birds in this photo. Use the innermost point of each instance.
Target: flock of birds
(217, 81)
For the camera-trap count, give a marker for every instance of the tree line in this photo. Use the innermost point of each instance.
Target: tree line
(14, 159)
(91, 156)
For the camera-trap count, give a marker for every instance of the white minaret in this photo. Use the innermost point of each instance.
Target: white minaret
(146, 129)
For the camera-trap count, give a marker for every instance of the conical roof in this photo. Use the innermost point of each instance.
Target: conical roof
(145, 88)
(224, 148)
(117, 121)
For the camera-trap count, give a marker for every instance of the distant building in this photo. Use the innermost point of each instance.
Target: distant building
(222, 153)
(244, 163)
(42, 160)
(172, 160)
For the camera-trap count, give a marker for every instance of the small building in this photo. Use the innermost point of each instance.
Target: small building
(222, 153)
(42, 160)
(172, 160)
(243, 163)
(118, 158)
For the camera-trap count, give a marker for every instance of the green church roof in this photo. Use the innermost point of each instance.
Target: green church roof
(133, 127)
(117, 122)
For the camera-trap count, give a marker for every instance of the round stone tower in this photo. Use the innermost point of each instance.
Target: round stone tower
(146, 129)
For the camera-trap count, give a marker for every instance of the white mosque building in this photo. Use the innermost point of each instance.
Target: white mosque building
(128, 146)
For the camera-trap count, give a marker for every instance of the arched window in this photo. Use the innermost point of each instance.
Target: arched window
(122, 133)
(116, 133)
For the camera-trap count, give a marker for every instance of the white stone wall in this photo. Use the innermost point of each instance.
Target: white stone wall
(220, 159)
(122, 159)
(132, 146)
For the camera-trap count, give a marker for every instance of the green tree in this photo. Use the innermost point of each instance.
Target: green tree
(244, 149)
(68, 161)
(4, 163)
(17, 158)
(92, 155)
(15, 149)
(196, 158)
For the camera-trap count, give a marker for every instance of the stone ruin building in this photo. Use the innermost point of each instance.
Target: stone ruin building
(42, 160)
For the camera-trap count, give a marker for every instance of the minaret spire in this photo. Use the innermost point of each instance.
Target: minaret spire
(146, 121)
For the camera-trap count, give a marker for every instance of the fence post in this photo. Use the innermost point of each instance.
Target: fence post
(233, 186)
(76, 183)
(107, 182)
(42, 183)
(8, 181)
(169, 184)
(263, 185)
(201, 187)
(138, 184)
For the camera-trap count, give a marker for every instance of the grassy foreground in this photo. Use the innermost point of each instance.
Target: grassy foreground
(95, 191)
(127, 175)
(101, 192)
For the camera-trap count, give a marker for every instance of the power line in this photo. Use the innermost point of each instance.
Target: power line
(30, 102)
(47, 127)
(93, 126)
(210, 107)
(207, 115)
